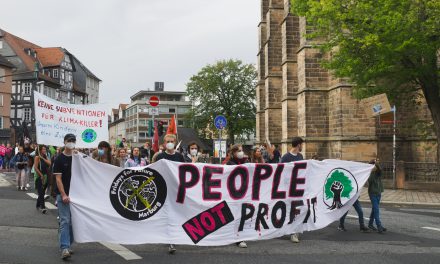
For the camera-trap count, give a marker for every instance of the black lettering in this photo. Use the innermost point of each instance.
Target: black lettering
(245, 215)
(278, 223)
(294, 211)
(263, 210)
(276, 183)
(183, 184)
(262, 172)
(244, 175)
(294, 181)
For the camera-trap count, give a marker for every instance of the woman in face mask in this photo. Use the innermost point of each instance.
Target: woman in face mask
(104, 154)
(236, 155)
(135, 159)
(122, 157)
(193, 153)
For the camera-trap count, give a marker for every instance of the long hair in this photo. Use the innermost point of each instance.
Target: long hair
(132, 153)
(234, 149)
(254, 158)
(105, 144)
(39, 149)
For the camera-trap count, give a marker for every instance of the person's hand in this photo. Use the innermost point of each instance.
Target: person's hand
(66, 199)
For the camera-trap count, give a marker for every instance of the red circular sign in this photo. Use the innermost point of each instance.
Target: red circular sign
(154, 101)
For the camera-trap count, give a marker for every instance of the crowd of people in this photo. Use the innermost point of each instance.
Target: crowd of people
(51, 168)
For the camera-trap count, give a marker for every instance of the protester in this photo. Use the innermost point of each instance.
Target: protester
(135, 159)
(170, 152)
(257, 156)
(146, 152)
(375, 190)
(2, 155)
(8, 156)
(121, 157)
(20, 161)
(192, 155)
(28, 150)
(16, 148)
(274, 155)
(63, 172)
(294, 155)
(123, 143)
(104, 154)
(161, 149)
(357, 206)
(41, 166)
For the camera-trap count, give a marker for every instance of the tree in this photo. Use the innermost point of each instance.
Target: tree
(389, 46)
(226, 88)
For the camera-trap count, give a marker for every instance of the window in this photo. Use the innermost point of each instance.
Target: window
(180, 122)
(142, 134)
(62, 74)
(172, 110)
(27, 114)
(1, 122)
(1, 99)
(27, 88)
(1, 44)
(2, 73)
(55, 73)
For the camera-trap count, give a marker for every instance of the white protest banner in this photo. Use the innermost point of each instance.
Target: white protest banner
(205, 204)
(54, 119)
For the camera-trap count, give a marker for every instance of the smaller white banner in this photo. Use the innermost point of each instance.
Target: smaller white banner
(54, 119)
(220, 148)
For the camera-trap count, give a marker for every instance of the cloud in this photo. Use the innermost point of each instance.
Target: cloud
(130, 44)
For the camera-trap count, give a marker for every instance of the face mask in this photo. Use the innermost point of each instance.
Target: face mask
(193, 152)
(160, 151)
(170, 146)
(70, 145)
(128, 151)
(240, 154)
(101, 152)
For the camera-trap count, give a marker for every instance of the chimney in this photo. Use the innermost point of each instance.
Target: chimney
(159, 86)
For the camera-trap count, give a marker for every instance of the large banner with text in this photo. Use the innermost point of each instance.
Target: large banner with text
(206, 204)
(54, 119)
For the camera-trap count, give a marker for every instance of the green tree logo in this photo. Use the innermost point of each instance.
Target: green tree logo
(339, 187)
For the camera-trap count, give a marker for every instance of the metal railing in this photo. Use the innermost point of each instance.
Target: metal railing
(422, 172)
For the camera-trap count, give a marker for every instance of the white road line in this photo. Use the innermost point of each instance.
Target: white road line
(48, 205)
(121, 251)
(355, 216)
(431, 228)
(4, 182)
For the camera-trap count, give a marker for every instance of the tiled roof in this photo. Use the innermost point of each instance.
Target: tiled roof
(123, 106)
(50, 56)
(19, 45)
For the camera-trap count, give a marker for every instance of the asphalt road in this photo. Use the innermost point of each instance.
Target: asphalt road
(27, 236)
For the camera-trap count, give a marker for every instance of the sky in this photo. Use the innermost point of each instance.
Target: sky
(130, 44)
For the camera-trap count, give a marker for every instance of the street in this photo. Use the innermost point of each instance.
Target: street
(27, 236)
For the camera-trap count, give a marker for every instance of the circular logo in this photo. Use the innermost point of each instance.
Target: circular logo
(89, 135)
(138, 194)
(340, 186)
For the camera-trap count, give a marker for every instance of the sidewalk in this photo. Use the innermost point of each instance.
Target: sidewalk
(405, 197)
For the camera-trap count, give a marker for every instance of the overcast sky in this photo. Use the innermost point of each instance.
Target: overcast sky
(130, 44)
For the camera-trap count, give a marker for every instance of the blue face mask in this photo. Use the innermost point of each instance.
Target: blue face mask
(101, 152)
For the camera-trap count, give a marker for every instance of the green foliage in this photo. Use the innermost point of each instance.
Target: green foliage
(382, 45)
(344, 180)
(227, 88)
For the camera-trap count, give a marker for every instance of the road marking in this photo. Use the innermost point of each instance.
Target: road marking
(4, 182)
(421, 210)
(355, 216)
(121, 251)
(431, 228)
(48, 205)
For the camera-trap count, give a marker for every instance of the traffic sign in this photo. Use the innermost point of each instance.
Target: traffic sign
(153, 111)
(154, 101)
(220, 122)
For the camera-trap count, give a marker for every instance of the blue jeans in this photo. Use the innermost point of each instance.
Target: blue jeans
(375, 215)
(357, 206)
(65, 233)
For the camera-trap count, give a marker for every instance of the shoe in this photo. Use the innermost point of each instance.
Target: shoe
(65, 254)
(242, 244)
(25, 189)
(294, 238)
(46, 197)
(28, 185)
(364, 229)
(18, 188)
(172, 249)
(381, 230)
(342, 228)
(372, 227)
(43, 210)
(70, 251)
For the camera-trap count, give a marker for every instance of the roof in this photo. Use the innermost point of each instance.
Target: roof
(19, 45)
(115, 111)
(88, 72)
(6, 63)
(123, 106)
(156, 93)
(50, 56)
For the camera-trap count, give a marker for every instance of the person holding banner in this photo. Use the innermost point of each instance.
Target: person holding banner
(357, 206)
(104, 154)
(294, 155)
(63, 172)
(135, 159)
(193, 152)
(41, 166)
(170, 152)
(375, 190)
(121, 157)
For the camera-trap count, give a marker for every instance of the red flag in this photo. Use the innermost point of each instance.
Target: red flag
(156, 139)
(172, 128)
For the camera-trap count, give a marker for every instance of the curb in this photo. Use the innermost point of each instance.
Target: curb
(403, 203)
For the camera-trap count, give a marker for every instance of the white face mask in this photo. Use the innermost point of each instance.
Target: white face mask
(70, 145)
(170, 146)
(240, 154)
(193, 152)
(160, 151)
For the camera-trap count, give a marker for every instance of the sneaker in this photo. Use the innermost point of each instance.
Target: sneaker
(342, 228)
(28, 185)
(65, 254)
(242, 244)
(294, 238)
(172, 249)
(18, 188)
(25, 189)
(70, 251)
(43, 210)
(372, 227)
(381, 230)
(46, 197)
(364, 229)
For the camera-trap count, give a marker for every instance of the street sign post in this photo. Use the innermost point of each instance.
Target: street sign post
(220, 123)
(154, 102)
(153, 111)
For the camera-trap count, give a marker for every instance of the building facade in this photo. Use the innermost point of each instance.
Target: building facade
(138, 120)
(54, 72)
(297, 97)
(6, 69)
(116, 128)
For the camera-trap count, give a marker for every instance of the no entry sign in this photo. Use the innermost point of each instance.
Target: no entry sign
(154, 101)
